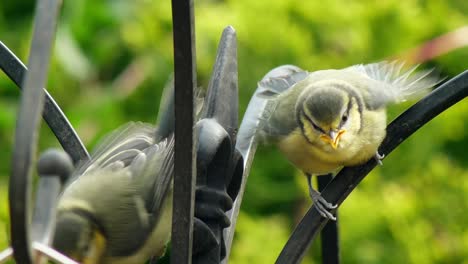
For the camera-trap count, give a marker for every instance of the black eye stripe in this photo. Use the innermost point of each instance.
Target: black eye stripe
(301, 124)
(315, 126)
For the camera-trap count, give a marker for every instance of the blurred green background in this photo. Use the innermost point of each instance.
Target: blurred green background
(112, 58)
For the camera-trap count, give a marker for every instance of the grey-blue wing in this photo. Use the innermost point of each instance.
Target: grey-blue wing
(278, 117)
(128, 174)
(279, 80)
(278, 120)
(262, 104)
(150, 173)
(119, 147)
(157, 177)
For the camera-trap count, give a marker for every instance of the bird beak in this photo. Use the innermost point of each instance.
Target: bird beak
(333, 137)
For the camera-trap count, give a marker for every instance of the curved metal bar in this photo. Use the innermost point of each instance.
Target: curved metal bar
(53, 115)
(185, 80)
(48, 190)
(54, 168)
(52, 253)
(217, 163)
(341, 186)
(329, 236)
(31, 105)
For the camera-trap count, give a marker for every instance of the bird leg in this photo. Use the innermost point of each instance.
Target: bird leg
(320, 203)
(379, 157)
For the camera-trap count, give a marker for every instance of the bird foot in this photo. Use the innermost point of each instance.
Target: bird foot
(322, 205)
(379, 157)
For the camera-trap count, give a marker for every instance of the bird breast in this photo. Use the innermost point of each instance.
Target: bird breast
(309, 158)
(353, 149)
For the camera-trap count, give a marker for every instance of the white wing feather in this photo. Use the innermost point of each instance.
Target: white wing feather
(401, 84)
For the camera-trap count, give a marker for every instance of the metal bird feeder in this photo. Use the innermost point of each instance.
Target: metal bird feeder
(212, 157)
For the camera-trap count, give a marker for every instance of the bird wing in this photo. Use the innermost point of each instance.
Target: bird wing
(124, 185)
(150, 164)
(279, 80)
(388, 82)
(156, 176)
(276, 119)
(119, 147)
(262, 104)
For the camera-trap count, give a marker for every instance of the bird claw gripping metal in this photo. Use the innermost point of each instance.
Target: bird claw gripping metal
(379, 157)
(322, 205)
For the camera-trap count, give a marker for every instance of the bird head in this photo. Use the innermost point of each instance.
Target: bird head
(326, 111)
(78, 237)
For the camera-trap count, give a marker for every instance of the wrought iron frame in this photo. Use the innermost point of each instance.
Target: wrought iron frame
(212, 157)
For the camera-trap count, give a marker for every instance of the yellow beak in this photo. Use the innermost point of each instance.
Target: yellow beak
(333, 137)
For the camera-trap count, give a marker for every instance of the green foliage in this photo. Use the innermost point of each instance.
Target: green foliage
(112, 58)
(4, 225)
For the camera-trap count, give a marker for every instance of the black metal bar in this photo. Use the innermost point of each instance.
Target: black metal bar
(216, 132)
(31, 105)
(341, 186)
(184, 164)
(329, 235)
(223, 83)
(54, 167)
(53, 115)
(214, 154)
(47, 192)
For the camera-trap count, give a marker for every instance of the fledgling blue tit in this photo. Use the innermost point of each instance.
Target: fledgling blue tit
(328, 119)
(118, 206)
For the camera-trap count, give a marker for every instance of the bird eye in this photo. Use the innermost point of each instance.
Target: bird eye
(344, 118)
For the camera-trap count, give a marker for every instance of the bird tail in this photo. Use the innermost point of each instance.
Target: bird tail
(403, 84)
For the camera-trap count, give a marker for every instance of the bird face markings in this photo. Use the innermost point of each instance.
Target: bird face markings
(324, 115)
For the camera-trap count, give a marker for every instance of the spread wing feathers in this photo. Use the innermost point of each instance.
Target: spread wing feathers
(279, 80)
(276, 82)
(160, 168)
(261, 107)
(401, 84)
(120, 148)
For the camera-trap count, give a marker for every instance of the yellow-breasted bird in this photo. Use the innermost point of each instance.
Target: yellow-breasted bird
(328, 119)
(118, 206)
